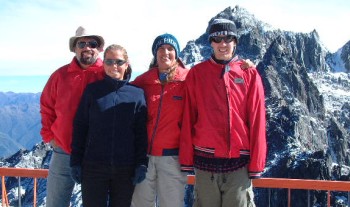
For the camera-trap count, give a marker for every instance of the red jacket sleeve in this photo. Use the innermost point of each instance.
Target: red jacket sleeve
(47, 108)
(257, 125)
(186, 136)
(138, 81)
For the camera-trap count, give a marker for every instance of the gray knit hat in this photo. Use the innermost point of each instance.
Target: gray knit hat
(222, 27)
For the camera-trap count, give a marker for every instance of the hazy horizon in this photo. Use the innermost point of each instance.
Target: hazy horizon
(23, 84)
(29, 83)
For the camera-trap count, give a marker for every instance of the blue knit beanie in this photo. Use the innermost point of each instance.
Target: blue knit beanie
(165, 39)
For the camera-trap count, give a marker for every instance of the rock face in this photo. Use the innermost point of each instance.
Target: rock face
(307, 92)
(307, 100)
(345, 56)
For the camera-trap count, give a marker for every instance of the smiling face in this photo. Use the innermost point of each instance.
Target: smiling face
(166, 57)
(223, 50)
(87, 55)
(115, 63)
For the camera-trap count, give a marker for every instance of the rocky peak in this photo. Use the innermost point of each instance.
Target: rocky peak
(307, 115)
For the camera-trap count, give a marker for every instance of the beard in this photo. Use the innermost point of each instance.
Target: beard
(87, 58)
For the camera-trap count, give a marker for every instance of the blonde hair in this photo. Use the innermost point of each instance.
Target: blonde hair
(170, 71)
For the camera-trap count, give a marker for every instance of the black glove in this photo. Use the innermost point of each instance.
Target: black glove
(140, 174)
(76, 173)
(191, 172)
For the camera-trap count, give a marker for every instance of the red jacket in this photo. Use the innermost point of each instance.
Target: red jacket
(224, 114)
(164, 104)
(60, 98)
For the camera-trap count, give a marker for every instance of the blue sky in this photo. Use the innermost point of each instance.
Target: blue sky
(34, 33)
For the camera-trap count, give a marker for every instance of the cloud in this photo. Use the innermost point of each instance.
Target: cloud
(35, 33)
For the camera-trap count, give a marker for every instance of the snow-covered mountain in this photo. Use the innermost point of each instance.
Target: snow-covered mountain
(308, 108)
(307, 99)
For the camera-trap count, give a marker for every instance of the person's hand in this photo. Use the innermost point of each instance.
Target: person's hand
(76, 173)
(140, 174)
(53, 143)
(247, 64)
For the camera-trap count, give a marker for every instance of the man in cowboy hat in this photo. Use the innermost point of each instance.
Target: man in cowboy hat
(58, 103)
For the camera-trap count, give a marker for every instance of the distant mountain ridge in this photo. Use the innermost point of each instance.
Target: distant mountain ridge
(308, 108)
(20, 121)
(8, 146)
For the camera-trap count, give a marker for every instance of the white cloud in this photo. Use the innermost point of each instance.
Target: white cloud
(34, 37)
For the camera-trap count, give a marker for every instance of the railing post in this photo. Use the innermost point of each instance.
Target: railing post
(34, 192)
(269, 192)
(289, 197)
(5, 201)
(308, 198)
(328, 198)
(349, 198)
(3, 190)
(19, 192)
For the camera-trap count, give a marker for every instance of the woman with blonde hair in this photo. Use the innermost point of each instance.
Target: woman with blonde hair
(109, 135)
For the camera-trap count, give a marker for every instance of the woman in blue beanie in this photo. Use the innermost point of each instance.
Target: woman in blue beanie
(163, 84)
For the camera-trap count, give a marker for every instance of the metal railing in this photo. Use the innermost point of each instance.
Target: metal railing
(282, 183)
(20, 172)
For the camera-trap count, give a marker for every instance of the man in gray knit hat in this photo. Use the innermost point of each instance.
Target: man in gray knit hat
(223, 128)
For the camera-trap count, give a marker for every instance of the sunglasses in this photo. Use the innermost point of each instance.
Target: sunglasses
(92, 44)
(111, 62)
(227, 39)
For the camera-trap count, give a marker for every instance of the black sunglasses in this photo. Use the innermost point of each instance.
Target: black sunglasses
(92, 44)
(227, 39)
(111, 62)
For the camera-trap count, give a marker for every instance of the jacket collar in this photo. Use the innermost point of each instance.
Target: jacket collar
(221, 62)
(153, 75)
(115, 83)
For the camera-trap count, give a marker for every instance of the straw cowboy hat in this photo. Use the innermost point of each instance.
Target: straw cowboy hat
(82, 32)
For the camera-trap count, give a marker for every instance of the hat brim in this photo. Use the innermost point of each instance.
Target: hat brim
(73, 39)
